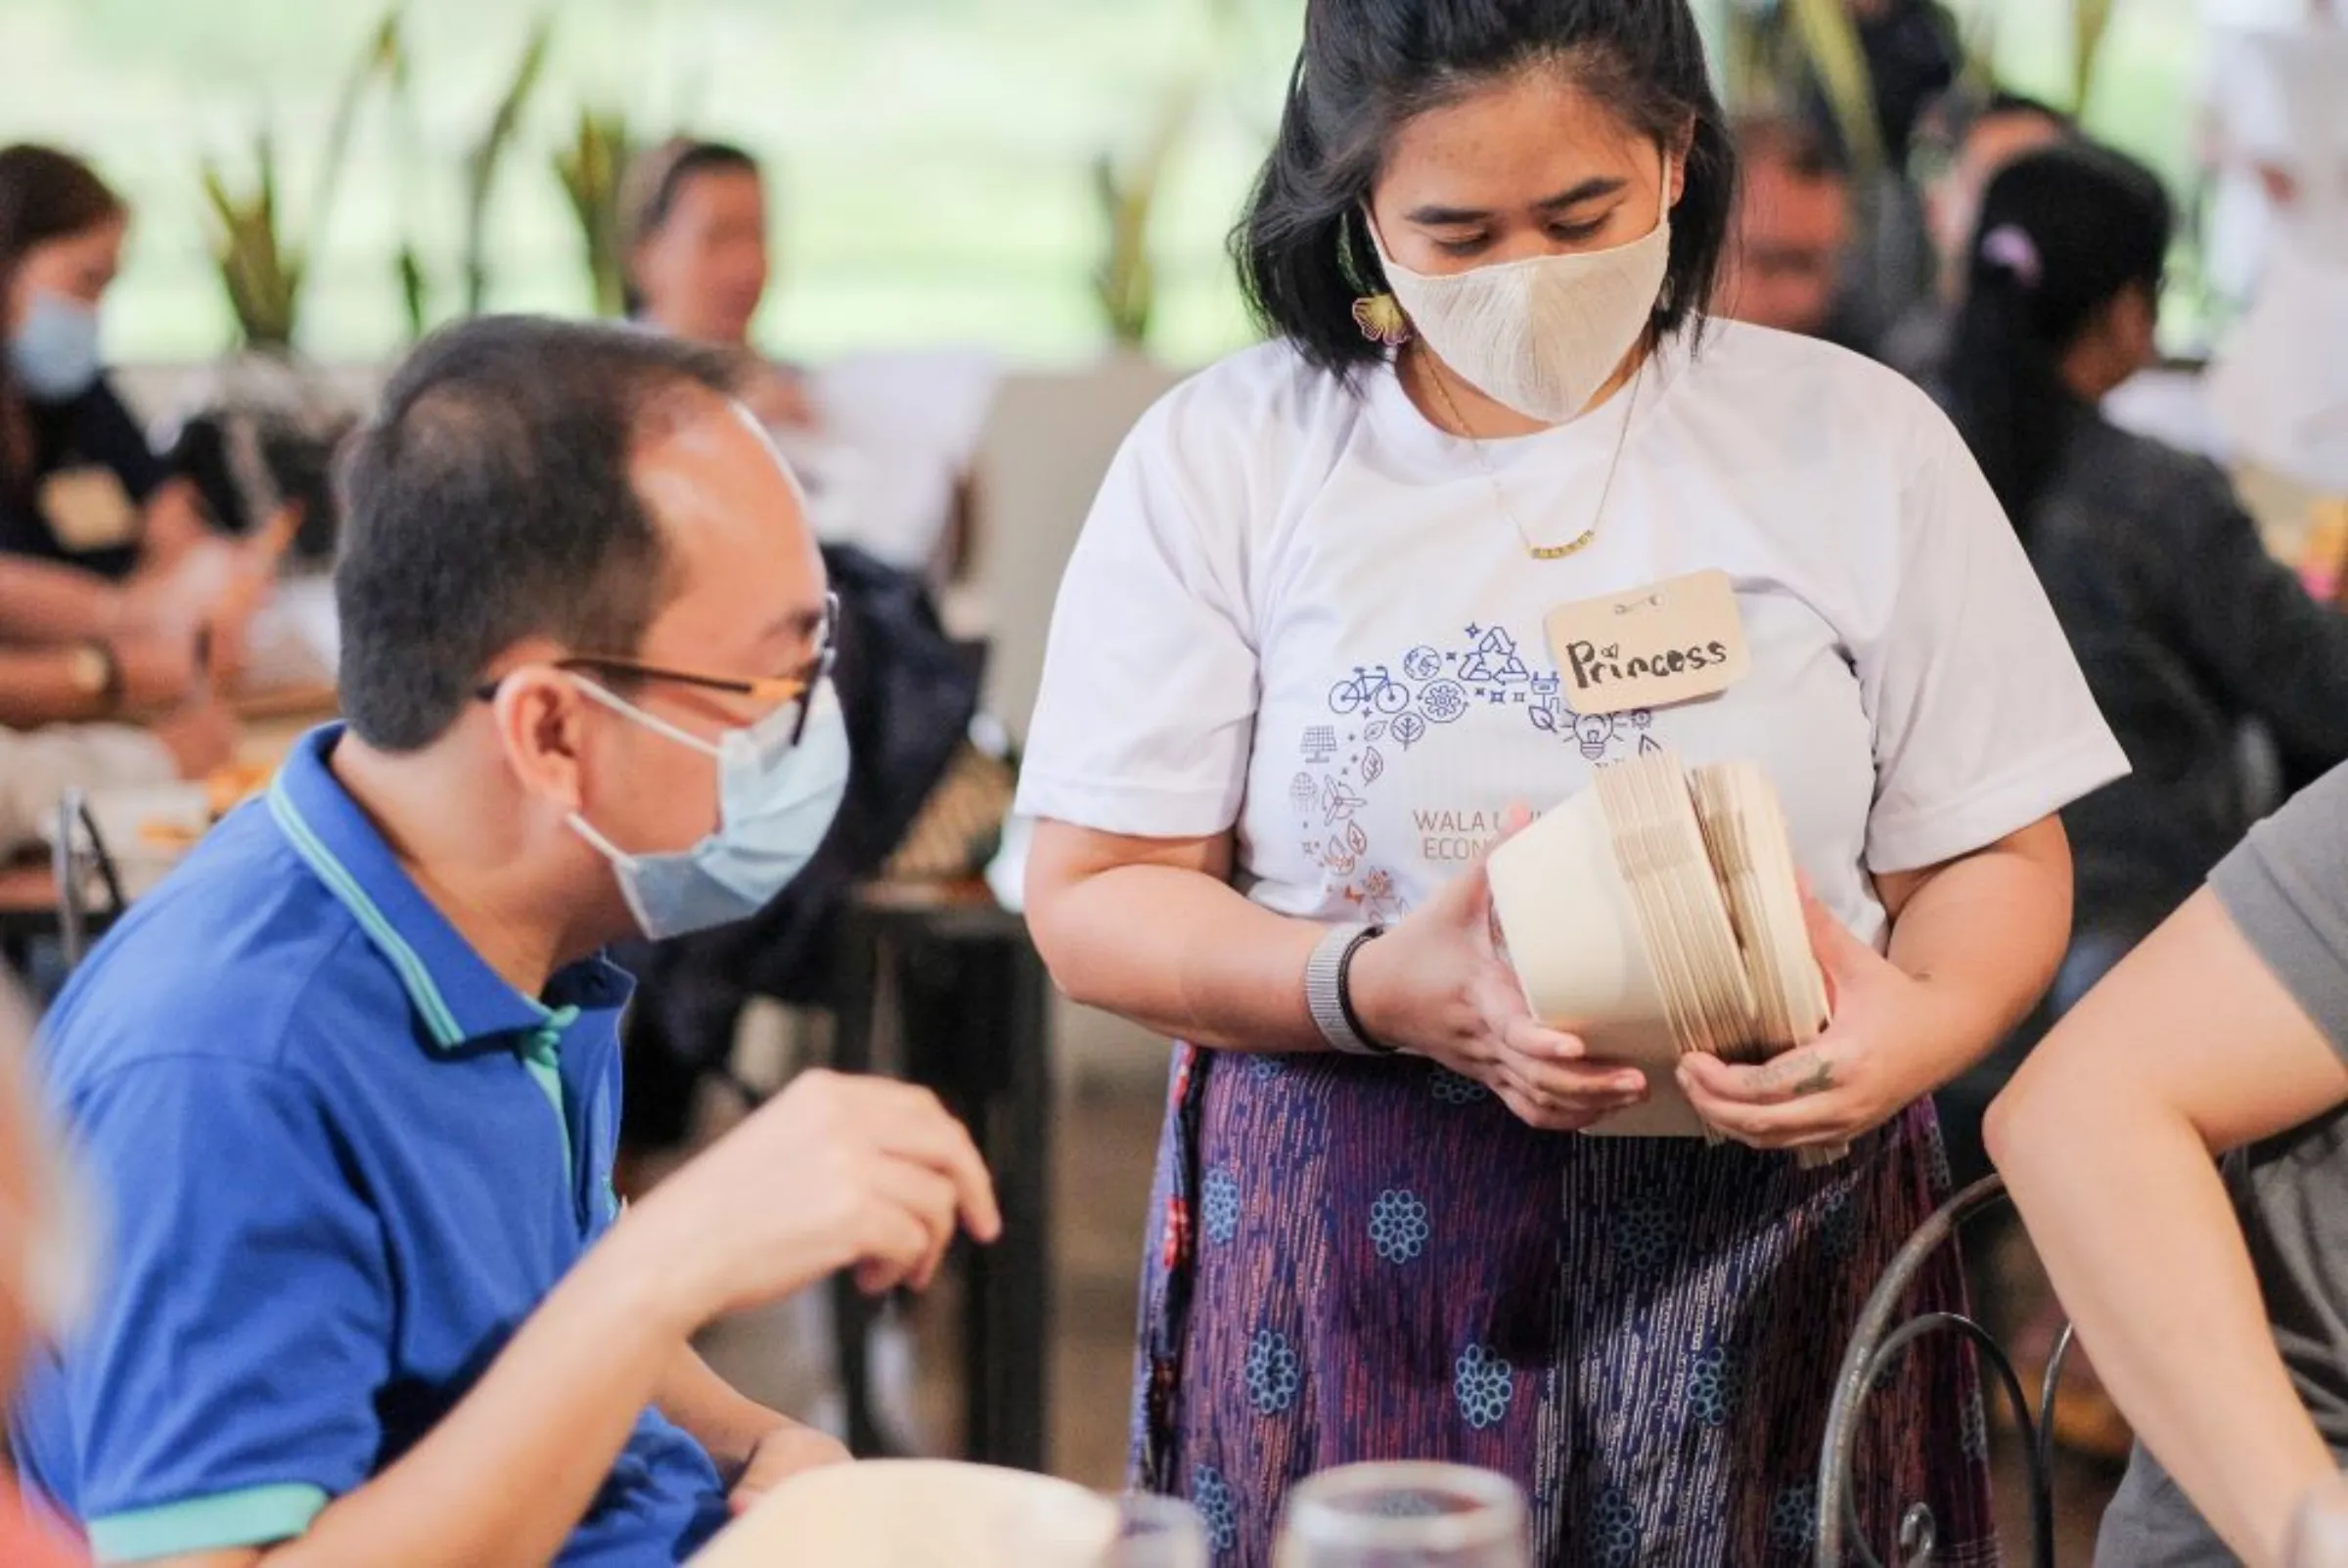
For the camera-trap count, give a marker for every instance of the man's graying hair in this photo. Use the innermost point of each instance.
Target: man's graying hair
(491, 500)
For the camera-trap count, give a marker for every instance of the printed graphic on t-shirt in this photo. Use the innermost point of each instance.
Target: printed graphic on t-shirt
(1386, 711)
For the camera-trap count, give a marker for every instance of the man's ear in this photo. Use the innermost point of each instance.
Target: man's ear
(540, 719)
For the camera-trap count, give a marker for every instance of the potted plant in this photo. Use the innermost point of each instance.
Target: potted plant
(590, 169)
(487, 154)
(261, 430)
(1126, 281)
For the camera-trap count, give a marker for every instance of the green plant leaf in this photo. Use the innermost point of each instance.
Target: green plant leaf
(413, 290)
(590, 172)
(488, 152)
(1126, 281)
(383, 56)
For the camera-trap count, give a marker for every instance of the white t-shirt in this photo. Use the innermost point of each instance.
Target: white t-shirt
(1301, 611)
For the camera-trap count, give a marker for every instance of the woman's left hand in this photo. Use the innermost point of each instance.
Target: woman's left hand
(1868, 1066)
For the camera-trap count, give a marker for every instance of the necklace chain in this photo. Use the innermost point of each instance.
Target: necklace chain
(1579, 542)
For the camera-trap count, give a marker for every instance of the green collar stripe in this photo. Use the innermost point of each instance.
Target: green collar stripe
(541, 1060)
(257, 1516)
(394, 946)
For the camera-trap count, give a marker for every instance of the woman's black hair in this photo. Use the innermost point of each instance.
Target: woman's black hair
(2062, 233)
(1369, 66)
(649, 195)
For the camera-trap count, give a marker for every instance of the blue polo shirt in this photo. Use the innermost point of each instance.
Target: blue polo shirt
(345, 1162)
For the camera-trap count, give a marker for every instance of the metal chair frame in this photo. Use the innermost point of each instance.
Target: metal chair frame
(79, 854)
(1874, 1347)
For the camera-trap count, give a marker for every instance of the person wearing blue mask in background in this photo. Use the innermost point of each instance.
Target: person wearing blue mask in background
(79, 483)
(112, 581)
(351, 1076)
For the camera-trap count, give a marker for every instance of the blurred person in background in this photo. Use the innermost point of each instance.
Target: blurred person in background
(882, 444)
(2279, 385)
(117, 599)
(46, 1246)
(1967, 143)
(2187, 628)
(2245, 135)
(79, 483)
(1788, 245)
(693, 231)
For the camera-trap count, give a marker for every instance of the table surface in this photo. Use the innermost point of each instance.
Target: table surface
(28, 885)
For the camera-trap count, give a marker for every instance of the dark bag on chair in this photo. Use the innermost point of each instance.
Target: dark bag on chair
(909, 691)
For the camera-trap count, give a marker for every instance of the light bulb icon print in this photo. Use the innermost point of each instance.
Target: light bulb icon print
(1593, 731)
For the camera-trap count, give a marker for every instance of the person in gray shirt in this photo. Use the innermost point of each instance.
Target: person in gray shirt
(2179, 1148)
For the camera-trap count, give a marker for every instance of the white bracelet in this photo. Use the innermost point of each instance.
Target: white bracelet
(1328, 995)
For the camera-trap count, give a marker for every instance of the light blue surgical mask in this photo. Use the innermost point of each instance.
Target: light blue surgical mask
(775, 803)
(54, 351)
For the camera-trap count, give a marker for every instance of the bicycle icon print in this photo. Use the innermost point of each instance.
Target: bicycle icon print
(1371, 689)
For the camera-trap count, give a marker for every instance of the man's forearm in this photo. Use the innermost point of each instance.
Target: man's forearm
(713, 1412)
(2132, 1219)
(506, 1477)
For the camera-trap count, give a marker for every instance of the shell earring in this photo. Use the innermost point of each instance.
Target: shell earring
(1381, 319)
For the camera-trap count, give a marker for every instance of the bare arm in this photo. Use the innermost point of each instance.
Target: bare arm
(45, 603)
(1984, 935)
(1974, 943)
(2105, 1137)
(1151, 929)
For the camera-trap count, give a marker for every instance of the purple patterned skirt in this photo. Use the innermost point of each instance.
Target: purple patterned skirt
(1369, 1260)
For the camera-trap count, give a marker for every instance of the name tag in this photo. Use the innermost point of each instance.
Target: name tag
(1652, 647)
(87, 508)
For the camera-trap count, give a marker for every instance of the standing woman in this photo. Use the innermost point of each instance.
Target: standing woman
(1298, 676)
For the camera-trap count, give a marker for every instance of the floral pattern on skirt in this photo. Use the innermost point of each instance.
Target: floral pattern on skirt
(1360, 1259)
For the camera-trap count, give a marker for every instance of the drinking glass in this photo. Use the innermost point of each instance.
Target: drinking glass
(2320, 1531)
(1155, 1532)
(1405, 1516)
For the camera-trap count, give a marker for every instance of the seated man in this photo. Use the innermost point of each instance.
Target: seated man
(2179, 1149)
(351, 1078)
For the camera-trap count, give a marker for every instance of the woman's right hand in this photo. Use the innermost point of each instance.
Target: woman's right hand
(1437, 986)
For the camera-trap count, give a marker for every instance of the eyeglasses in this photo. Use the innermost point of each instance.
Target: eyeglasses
(773, 690)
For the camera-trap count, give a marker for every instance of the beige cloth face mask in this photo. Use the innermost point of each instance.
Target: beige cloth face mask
(1542, 334)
